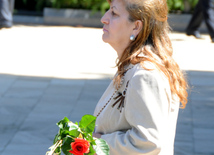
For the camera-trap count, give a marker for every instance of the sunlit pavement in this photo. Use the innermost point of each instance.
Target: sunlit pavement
(48, 72)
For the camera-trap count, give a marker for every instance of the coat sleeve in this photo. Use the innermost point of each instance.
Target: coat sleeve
(146, 110)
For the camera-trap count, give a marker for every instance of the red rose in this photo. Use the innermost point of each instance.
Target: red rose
(80, 146)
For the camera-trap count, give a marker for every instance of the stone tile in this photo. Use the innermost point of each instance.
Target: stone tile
(202, 99)
(203, 153)
(41, 129)
(90, 104)
(27, 88)
(77, 113)
(30, 83)
(202, 92)
(15, 106)
(199, 81)
(93, 90)
(59, 99)
(11, 121)
(34, 78)
(68, 82)
(204, 140)
(97, 85)
(6, 133)
(6, 136)
(5, 82)
(87, 96)
(18, 101)
(26, 148)
(184, 132)
(14, 111)
(4, 88)
(42, 109)
(183, 113)
(44, 127)
(6, 78)
(82, 107)
(63, 90)
(183, 148)
(85, 106)
(102, 82)
(24, 93)
(203, 115)
(201, 74)
(202, 88)
(30, 137)
(9, 126)
(184, 137)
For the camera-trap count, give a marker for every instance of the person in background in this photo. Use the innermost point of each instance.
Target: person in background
(137, 114)
(204, 10)
(6, 13)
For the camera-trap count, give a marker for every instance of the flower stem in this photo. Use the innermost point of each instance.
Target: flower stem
(56, 145)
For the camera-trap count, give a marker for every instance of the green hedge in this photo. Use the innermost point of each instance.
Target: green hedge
(174, 5)
(180, 5)
(75, 4)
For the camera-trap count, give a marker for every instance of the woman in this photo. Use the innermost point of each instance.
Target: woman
(138, 112)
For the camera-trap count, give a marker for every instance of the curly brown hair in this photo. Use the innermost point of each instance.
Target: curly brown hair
(154, 42)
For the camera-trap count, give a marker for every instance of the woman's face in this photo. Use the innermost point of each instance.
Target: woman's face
(117, 28)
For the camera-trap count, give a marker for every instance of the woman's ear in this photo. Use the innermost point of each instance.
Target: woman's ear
(138, 27)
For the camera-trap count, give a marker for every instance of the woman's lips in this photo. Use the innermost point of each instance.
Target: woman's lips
(105, 30)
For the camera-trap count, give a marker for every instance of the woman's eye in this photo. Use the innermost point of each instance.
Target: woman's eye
(113, 13)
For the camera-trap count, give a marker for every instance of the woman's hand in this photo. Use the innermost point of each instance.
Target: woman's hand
(97, 135)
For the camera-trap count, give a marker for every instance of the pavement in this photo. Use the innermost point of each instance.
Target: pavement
(49, 72)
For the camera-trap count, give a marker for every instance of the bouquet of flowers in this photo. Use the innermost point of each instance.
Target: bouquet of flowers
(76, 138)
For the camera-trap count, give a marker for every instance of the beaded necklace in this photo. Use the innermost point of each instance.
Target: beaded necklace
(121, 83)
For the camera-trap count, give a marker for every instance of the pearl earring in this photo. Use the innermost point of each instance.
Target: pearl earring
(132, 37)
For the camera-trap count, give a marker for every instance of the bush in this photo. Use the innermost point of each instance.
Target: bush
(179, 5)
(174, 5)
(81, 4)
(75, 4)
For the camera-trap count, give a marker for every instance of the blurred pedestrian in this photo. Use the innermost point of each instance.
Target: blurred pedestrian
(6, 13)
(204, 10)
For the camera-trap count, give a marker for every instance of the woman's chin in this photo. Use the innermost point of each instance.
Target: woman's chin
(105, 39)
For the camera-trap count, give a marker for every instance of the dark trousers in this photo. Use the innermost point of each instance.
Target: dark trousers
(6, 13)
(204, 10)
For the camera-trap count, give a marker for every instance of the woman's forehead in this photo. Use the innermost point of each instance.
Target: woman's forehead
(116, 1)
(118, 5)
(111, 1)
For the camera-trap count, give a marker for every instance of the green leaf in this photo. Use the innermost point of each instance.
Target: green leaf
(87, 123)
(66, 146)
(63, 123)
(92, 151)
(58, 150)
(102, 147)
(66, 127)
(56, 138)
(90, 138)
(72, 126)
(73, 129)
(72, 133)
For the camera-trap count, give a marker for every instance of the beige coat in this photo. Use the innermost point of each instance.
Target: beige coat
(147, 123)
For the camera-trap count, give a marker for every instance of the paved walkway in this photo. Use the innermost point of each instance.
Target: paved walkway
(49, 72)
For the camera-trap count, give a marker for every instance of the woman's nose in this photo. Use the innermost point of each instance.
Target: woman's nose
(105, 19)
